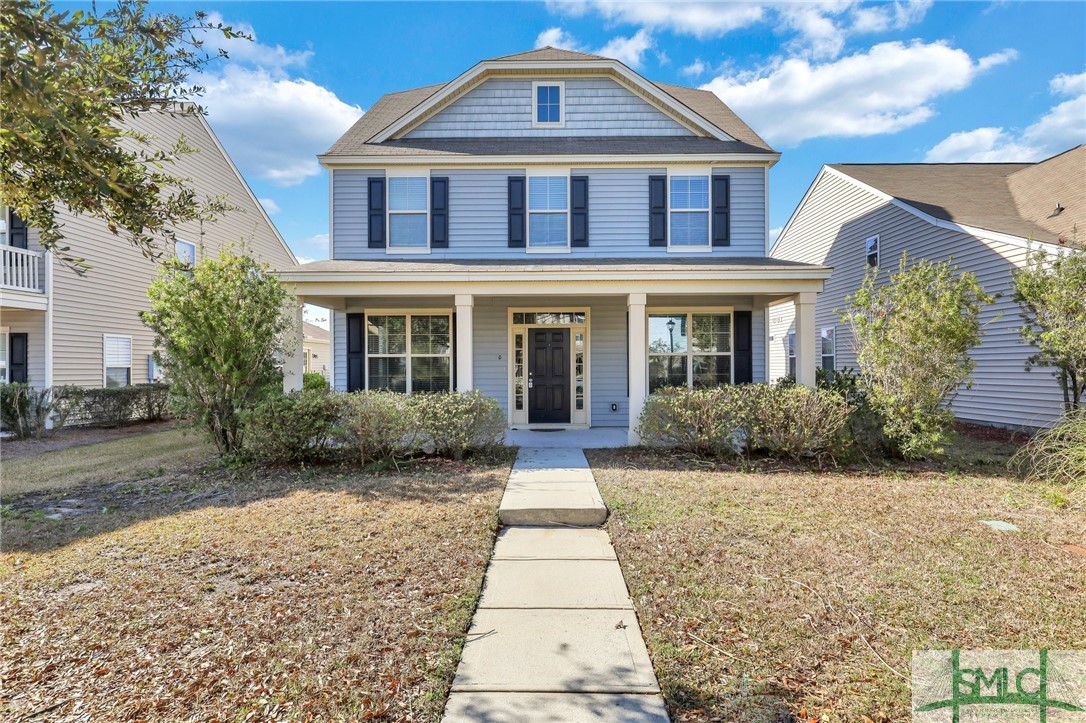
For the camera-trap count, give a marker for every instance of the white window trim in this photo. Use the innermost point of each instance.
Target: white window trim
(536, 123)
(405, 172)
(690, 353)
(821, 356)
(548, 173)
(518, 419)
(4, 358)
(183, 242)
(789, 353)
(131, 355)
(691, 171)
(878, 252)
(408, 313)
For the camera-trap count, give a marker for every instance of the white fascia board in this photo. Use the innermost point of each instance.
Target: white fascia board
(538, 275)
(981, 233)
(579, 161)
(678, 108)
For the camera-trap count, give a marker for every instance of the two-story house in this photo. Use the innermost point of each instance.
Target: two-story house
(60, 327)
(557, 231)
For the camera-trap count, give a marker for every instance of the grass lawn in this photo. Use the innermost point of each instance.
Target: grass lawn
(801, 595)
(186, 593)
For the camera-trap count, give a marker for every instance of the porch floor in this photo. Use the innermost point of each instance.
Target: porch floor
(591, 438)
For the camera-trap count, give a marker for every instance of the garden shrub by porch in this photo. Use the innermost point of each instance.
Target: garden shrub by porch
(377, 425)
(779, 420)
(453, 424)
(314, 380)
(1058, 455)
(295, 427)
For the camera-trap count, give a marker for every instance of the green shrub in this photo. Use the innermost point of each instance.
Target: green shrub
(1057, 455)
(782, 420)
(377, 425)
(292, 428)
(793, 421)
(155, 404)
(315, 381)
(454, 424)
(865, 424)
(705, 422)
(112, 406)
(25, 410)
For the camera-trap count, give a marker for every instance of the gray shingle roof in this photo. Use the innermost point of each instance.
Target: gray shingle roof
(999, 197)
(393, 106)
(531, 146)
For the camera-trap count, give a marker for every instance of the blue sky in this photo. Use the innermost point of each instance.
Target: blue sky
(826, 82)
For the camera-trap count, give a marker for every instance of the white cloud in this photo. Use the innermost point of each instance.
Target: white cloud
(272, 123)
(630, 51)
(1063, 126)
(316, 315)
(882, 90)
(820, 28)
(694, 69)
(305, 259)
(270, 206)
(314, 243)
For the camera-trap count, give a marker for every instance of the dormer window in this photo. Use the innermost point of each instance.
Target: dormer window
(549, 102)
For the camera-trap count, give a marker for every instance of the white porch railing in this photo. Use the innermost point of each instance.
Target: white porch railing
(22, 269)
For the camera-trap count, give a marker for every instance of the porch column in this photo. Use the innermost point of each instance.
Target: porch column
(805, 338)
(465, 325)
(292, 357)
(638, 357)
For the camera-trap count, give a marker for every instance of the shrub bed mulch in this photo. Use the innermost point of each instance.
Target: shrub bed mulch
(801, 595)
(316, 595)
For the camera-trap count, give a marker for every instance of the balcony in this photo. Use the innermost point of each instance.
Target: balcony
(22, 270)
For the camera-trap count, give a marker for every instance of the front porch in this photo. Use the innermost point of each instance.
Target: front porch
(560, 346)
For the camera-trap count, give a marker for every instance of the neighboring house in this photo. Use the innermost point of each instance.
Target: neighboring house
(58, 327)
(556, 231)
(315, 351)
(983, 216)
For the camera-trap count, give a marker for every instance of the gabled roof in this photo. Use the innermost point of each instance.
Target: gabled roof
(1010, 198)
(312, 331)
(372, 134)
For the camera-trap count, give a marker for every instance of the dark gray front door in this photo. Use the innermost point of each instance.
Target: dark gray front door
(548, 376)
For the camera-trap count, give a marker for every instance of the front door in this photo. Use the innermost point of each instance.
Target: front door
(548, 376)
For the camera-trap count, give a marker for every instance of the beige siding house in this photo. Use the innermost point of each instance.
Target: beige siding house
(315, 343)
(58, 327)
(983, 217)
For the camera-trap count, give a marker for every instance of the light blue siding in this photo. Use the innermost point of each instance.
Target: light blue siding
(618, 214)
(594, 107)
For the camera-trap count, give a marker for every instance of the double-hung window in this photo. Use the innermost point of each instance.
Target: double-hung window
(690, 349)
(829, 347)
(689, 212)
(548, 212)
(185, 252)
(408, 201)
(872, 245)
(548, 104)
(792, 354)
(118, 360)
(409, 352)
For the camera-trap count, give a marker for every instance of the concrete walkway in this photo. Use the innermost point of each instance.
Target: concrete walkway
(555, 637)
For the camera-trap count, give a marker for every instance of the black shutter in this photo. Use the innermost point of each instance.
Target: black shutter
(356, 352)
(518, 211)
(657, 210)
(17, 364)
(578, 205)
(17, 232)
(744, 348)
(722, 226)
(376, 195)
(455, 351)
(439, 213)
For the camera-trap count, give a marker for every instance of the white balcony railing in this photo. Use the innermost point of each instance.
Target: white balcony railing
(22, 269)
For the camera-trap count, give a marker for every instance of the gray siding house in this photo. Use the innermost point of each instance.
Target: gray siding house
(984, 217)
(557, 231)
(59, 327)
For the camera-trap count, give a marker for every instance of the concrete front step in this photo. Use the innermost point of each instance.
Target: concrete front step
(552, 503)
(553, 543)
(555, 584)
(556, 708)
(555, 651)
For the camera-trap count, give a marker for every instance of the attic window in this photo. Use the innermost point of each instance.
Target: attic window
(548, 103)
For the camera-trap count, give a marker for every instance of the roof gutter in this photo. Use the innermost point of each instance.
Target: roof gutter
(595, 159)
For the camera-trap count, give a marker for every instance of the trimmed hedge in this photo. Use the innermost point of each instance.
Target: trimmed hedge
(25, 410)
(292, 428)
(117, 406)
(454, 424)
(779, 420)
(377, 425)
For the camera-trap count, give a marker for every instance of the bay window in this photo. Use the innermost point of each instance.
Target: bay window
(548, 212)
(690, 349)
(689, 212)
(408, 202)
(409, 352)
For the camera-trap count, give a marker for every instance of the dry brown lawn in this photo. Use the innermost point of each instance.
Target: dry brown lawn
(801, 595)
(322, 594)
